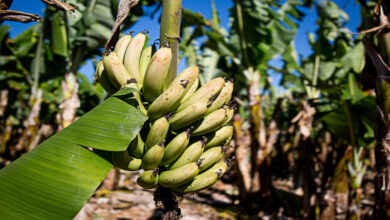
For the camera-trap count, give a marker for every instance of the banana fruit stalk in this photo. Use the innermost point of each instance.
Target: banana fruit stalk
(203, 180)
(132, 56)
(156, 73)
(121, 46)
(179, 176)
(179, 106)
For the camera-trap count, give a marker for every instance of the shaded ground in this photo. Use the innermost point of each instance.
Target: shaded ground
(119, 197)
(129, 201)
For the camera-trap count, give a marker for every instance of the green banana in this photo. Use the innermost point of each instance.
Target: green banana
(210, 157)
(121, 46)
(220, 137)
(137, 147)
(221, 166)
(101, 77)
(153, 157)
(206, 92)
(156, 72)
(144, 60)
(190, 74)
(223, 97)
(132, 56)
(170, 98)
(125, 161)
(191, 90)
(211, 122)
(175, 147)
(157, 132)
(191, 154)
(116, 71)
(229, 114)
(204, 180)
(179, 176)
(148, 179)
(189, 115)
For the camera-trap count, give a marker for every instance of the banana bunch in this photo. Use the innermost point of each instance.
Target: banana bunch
(182, 145)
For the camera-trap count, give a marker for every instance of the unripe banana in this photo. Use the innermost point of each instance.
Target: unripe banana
(144, 60)
(203, 180)
(167, 101)
(206, 92)
(223, 97)
(153, 157)
(116, 71)
(179, 176)
(189, 74)
(132, 56)
(148, 179)
(137, 147)
(211, 122)
(157, 132)
(102, 78)
(121, 46)
(156, 72)
(210, 157)
(125, 161)
(191, 154)
(191, 90)
(221, 167)
(220, 137)
(229, 115)
(170, 98)
(189, 115)
(175, 147)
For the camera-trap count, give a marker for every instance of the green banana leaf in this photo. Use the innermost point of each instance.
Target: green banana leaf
(56, 179)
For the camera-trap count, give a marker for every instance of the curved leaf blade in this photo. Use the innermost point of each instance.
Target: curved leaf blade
(110, 126)
(56, 179)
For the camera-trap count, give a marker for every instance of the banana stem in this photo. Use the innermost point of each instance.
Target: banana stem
(170, 32)
(243, 44)
(37, 59)
(140, 104)
(316, 69)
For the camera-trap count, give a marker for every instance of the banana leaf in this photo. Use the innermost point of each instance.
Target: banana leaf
(56, 179)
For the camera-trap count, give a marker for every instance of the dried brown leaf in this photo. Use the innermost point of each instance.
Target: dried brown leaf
(10, 15)
(59, 5)
(123, 10)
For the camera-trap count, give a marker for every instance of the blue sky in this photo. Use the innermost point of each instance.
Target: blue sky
(204, 7)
